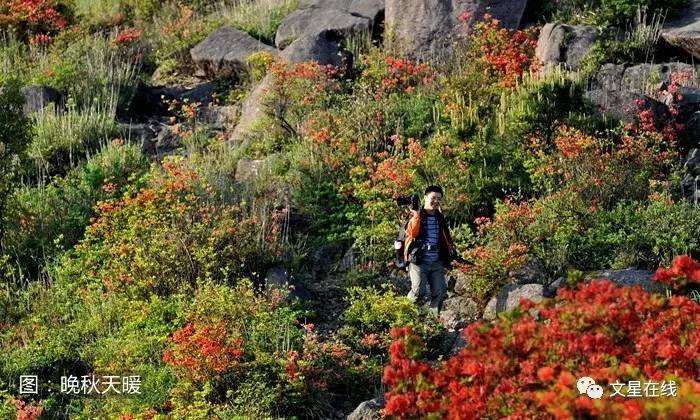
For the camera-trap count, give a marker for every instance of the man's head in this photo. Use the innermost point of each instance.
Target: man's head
(433, 198)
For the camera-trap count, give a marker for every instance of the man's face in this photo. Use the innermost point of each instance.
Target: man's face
(432, 200)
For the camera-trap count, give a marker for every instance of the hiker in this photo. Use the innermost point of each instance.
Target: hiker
(429, 249)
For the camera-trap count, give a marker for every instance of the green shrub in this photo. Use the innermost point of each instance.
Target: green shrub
(602, 12)
(260, 18)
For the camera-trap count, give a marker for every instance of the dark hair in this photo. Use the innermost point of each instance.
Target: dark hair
(434, 188)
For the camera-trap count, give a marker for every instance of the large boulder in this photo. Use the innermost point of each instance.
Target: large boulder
(458, 311)
(368, 410)
(431, 27)
(370, 9)
(533, 271)
(630, 277)
(641, 78)
(326, 258)
(225, 51)
(313, 21)
(508, 12)
(321, 48)
(565, 44)
(37, 97)
(684, 30)
(509, 297)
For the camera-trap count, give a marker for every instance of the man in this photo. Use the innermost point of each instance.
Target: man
(429, 249)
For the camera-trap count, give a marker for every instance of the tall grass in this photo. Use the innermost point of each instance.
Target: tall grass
(260, 18)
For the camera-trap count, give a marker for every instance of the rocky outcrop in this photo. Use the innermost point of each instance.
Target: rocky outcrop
(431, 27)
(225, 51)
(684, 30)
(565, 44)
(37, 97)
(509, 298)
(533, 271)
(641, 78)
(313, 21)
(429, 30)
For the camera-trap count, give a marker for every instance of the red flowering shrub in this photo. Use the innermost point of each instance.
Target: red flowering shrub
(128, 36)
(526, 367)
(683, 272)
(32, 17)
(201, 351)
(389, 74)
(507, 54)
(26, 411)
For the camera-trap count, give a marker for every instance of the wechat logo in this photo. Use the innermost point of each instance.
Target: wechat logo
(588, 386)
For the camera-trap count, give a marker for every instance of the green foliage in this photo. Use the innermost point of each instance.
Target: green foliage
(602, 12)
(260, 18)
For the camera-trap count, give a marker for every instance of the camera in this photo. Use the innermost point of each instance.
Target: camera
(409, 200)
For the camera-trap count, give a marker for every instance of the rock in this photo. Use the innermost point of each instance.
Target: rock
(692, 162)
(608, 77)
(624, 104)
(251, 110)
(459, 343)
(508, 12)
(326, 257)
(684, 30)
(368, 410)
(320, 47)
(224, 52)
(532, 271)
(509, 298)
(37, 97)
(247, 168)
(277, 277)
(458, 311)
(313, 21)
(429, 30)
(144, 134)
(550, 290)
(218, 117)
(565, 44)
(166, 142)
(630, 277)
(370, 9)
(690, 184)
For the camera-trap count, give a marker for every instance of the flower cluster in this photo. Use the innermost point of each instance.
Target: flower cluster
(508, 54)
(526, 366)
(32, 17)
(201, 351)
(128, 36)
(28, 411)
(683, 271)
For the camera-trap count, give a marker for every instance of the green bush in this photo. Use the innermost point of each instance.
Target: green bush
(602, 12)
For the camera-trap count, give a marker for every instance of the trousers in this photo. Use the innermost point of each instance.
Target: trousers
(428, 274)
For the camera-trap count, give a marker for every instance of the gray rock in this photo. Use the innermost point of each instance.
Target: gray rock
(218, 117)
(532, 271)
(692, 162)
(143, 134)
(565, 44)
(459, 343)
(326, 257)
(37, 97)
(251, 110)
(225, 51)
(314, 21)
(368, 410)
(623, 104)
(166, 142)
(684, 31)
(690, 184)
(426, 29)
(509, 298)
(509, 12)
(277, 277)
(608, 77)
(630, 277)
(318, 47)
(370, 9)
(247, 168)
(459, 311)
(550, 290)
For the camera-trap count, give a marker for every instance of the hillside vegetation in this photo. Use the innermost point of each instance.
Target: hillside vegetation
(202, 195)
